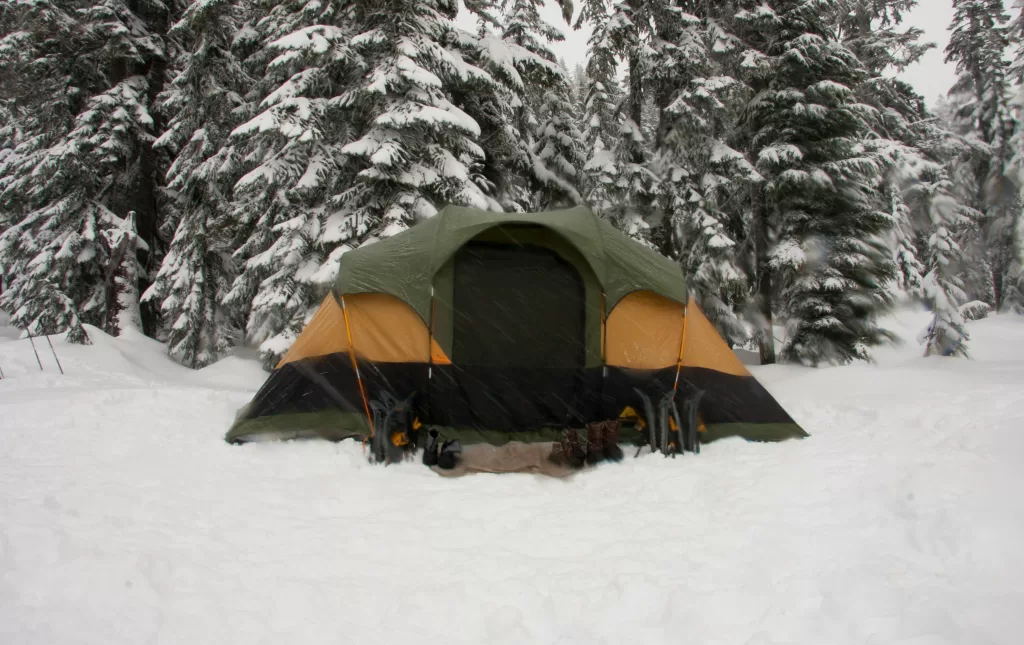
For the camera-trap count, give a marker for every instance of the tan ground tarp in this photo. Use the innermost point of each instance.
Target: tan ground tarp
(512, 457)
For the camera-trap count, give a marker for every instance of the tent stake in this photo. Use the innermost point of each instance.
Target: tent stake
(30, 339)
(54, 354)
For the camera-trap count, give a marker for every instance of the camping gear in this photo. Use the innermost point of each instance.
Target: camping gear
(612, 451)
(595, 442)
(511, 457)
(430, 450)
(508, 327)
(392, 428)
(689, 437)
(448, 457)
(569, 450)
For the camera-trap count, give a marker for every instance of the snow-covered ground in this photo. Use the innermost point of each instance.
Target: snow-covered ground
(125, 519)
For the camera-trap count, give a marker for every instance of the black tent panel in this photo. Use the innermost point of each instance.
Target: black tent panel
(517, 306)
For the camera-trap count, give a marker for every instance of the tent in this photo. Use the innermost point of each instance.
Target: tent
(506, 326)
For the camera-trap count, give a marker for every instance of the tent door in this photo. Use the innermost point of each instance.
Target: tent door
(518, 338)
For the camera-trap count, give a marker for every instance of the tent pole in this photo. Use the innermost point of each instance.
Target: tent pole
(430, 350)
(604, 343)
(355, 365)
(682, 346)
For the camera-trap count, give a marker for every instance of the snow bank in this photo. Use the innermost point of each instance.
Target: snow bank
(126, 519)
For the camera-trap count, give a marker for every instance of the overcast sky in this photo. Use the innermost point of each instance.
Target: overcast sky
(931, 76)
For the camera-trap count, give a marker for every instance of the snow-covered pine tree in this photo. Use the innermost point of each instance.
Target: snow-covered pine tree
(205, 100)
(636, 186)
(285, 205)
(1013, 287)
(579, 94)
(947, 334)
(551, 149)
(1015, 40)
(122, 279)
(360, 135)
(72, 186)
(876, 31)
(982, 99)
(959, 149)
(931, 198)
(503, 171)
(558, 151)
(418, 150)
(601, 119)
(909, 269)
(811, 137)
(708, 180)
(704, 179)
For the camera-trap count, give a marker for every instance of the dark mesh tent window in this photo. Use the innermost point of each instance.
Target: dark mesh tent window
(517, 306)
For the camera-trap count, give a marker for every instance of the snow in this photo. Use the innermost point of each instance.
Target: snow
(127, 519)
(780, 154)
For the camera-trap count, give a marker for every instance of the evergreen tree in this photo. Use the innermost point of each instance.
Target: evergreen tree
(88, 164)
(122, 279)
(931, 196)
(504, 172)
(979, 46)
(601, 117)
(361, 134)
(910, 271)
(704, 179)
(636, 187)
(875, 30)
(418, 150)
(549, 139)
(557, 153)
(286, 205)
(579, 94)
(206, 99)
(1014, 286)
(812, 139)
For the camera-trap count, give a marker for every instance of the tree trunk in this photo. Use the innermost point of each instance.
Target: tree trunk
(997, 285)
(150, 178)
(142, 195)
(110, 287)
(763, 297)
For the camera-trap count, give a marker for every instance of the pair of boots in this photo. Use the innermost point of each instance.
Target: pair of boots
(446, 457)
(602, 443)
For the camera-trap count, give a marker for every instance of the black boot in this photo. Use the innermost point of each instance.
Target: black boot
(449, 456)
(430, 450)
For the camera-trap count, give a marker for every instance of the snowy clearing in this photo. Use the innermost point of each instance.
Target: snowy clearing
(126, 518)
